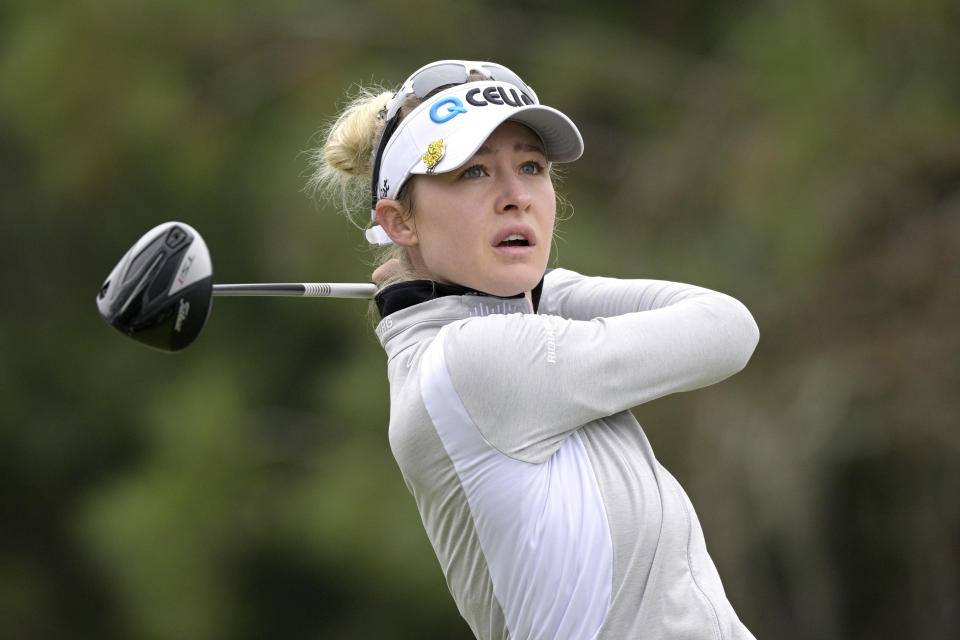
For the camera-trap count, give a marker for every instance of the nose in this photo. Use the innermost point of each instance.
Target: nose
(514, 196)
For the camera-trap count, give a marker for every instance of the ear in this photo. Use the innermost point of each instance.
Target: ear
(397, 222)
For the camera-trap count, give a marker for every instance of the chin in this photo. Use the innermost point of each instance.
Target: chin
(515, 284)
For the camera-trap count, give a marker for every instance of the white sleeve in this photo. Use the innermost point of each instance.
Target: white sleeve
(528, 380)
(570, 295)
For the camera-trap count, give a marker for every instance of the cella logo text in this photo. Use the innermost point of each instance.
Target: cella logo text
(454, 108)
(449, 108)
(498, 95)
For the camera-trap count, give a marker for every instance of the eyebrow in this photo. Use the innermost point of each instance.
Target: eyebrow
(520, 146)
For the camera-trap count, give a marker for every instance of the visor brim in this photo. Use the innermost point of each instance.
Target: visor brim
(561, 139)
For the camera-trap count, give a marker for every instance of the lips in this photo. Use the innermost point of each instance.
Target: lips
(515, 236)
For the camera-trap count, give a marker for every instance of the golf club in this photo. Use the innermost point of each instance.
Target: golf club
(161, 291)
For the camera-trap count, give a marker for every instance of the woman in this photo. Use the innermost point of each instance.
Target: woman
(511, 386)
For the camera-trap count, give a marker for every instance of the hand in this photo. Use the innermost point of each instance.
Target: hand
(386, 270)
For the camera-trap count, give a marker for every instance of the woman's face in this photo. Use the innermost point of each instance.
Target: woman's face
(488, 225)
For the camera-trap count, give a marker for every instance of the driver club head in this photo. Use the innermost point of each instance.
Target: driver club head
(161, 291)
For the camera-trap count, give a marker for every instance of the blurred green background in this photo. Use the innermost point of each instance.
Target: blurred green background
(801, 156)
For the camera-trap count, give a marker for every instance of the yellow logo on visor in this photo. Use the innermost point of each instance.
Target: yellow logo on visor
(432, 157)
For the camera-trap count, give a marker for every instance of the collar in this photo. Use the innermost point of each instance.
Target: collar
(415, 311)
(406, 294)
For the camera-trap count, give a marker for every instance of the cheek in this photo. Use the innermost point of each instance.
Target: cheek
(549, 205)
(448, 240)
(444, 232)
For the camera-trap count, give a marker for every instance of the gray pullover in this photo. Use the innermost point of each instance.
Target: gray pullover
(541, 496)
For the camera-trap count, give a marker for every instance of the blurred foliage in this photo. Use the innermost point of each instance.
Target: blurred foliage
(804, 157)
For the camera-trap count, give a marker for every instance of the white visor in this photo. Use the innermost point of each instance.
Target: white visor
(447, 129)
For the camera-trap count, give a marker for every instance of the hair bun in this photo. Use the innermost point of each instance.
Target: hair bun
(341, 165)
(350, 140)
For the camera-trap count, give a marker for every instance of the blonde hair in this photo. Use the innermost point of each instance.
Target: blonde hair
(341, 164)
(342, 169)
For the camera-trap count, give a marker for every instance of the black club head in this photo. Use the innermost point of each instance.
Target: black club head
(161, 291)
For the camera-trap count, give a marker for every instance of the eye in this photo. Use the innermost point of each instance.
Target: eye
(476, 171)
(531, 168)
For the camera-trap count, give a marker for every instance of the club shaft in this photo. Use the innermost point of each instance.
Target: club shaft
(308, 289)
